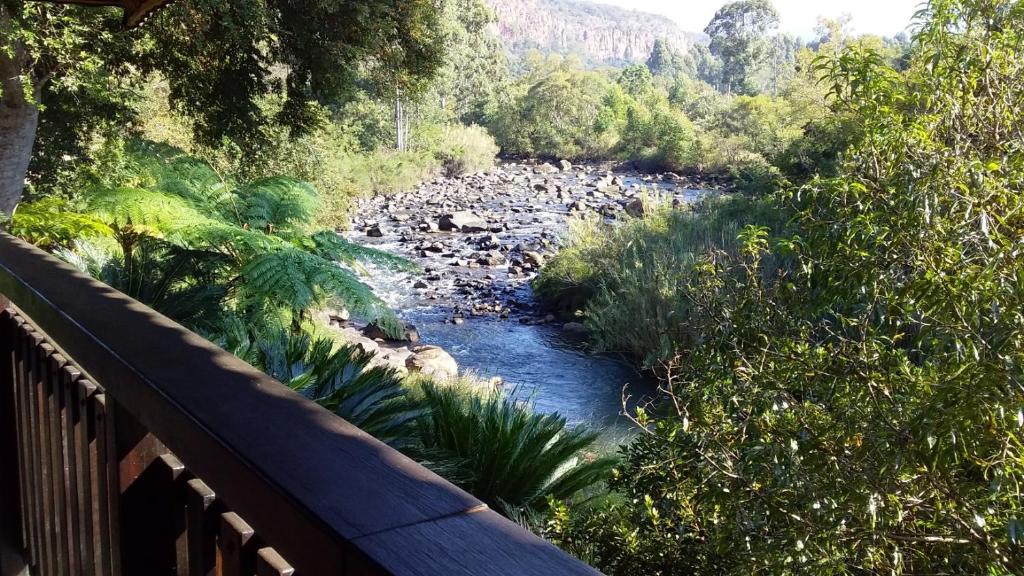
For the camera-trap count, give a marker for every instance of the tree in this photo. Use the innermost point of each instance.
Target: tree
(661, 62)
(737, 34)
(230, 57)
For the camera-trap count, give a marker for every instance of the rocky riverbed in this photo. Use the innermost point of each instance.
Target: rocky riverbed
(480, 239)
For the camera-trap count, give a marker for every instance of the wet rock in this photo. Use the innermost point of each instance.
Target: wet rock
(432, 361)
(462, 221)
(491, 259)
(575, 329)
(375, 231)
(532, 258)
(420, 284)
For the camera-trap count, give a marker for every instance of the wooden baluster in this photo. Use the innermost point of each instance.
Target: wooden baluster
(236, 547)
(69, 400)
(107, 484)
(22, 428)
(270, 563)
(54, 365)
(202, 527)
(153, 512)
(85, 434)
(25, 352)
(39, 361)
(174, 474)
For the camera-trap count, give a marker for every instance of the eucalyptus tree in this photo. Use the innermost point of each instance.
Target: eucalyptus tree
(222, 60)
(737, 34)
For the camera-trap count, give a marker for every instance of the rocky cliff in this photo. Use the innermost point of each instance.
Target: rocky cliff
(598, 33)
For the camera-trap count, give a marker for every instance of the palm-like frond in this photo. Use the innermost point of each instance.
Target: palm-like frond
(502, 452)
(342, 380)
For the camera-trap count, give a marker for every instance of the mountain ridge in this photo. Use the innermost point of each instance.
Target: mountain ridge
(599, 33)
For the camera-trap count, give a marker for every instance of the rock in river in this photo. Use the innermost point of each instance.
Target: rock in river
(463, 221)
(432, 361)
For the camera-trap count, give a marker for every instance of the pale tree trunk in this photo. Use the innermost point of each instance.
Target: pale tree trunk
(17, 134)
(399, 123)
(19, 117)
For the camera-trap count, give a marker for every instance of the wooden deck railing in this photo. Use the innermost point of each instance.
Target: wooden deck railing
(129, 445)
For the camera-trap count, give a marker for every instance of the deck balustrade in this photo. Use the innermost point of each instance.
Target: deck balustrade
(132, 446)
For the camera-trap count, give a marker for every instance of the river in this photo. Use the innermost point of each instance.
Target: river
(473, 297)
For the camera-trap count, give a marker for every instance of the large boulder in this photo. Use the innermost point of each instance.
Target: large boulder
(462, 221)
(565, 165)
(432, 361)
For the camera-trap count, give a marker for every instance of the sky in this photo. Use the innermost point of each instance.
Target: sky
(882, 17)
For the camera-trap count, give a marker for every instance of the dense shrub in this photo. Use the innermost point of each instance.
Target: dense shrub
(630, 281)
(858, 410)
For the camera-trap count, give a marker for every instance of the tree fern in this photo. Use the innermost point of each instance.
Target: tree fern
(278, 203)
(293, 278)
(185, 235)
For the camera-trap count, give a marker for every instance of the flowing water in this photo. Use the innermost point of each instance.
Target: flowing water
(485, 315)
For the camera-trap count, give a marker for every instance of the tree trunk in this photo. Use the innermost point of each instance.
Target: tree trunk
(399, 123)
(19, 117)
(17, 134)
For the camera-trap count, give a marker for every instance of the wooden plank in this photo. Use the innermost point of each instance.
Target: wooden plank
(21, 425)
(108, 492)
(85, 434)
(201, 528)
(174, 476)
(69, 385)
(270, 563)
(481, 543)
(26, 352)
(52, 379)
(42, 426)
(236, 547)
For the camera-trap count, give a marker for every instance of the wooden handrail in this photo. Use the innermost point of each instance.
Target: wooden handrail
(326, 496)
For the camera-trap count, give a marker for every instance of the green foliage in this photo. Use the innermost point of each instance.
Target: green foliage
(737, 37)
(52, 222)
(857, 409)
(341, 378)
(552, 112)
(502, 452)
(175, 230)
(634, 282)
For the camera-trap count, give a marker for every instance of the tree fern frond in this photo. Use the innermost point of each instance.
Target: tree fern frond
(296, 279)
(330, 245)
(277, 203)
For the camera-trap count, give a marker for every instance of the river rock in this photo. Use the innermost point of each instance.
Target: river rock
(462, 221)
(375, 332)
(535, 259)
(575, 329)
(432, 361)
(636, 208)
(565, 165)
(545, 168)
(375, 231)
